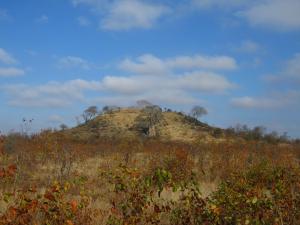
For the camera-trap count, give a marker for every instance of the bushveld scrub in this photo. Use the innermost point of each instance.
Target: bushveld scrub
(50, 178)
(261, 195)
(50, 207)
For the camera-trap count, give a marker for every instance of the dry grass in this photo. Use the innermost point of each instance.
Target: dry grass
(120, 123)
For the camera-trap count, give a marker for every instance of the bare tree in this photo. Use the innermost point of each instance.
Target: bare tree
(198, 111)
(63, 126)
(258, 132)
(154, 114)
(89, 113)
(149, 117)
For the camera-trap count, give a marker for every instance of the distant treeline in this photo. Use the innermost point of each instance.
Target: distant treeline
(259, 133)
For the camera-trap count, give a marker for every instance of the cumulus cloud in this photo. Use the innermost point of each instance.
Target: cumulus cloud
(169, 89)
(6, 58)
(275, 14)
(98, 4)
(145, 64)
(201, 61)
(206, 4)
(128, 14)
(204, 82)
(125, 14)
(165, 90)
(52, 94)
(276, 100)
(152, 65)
(11, 72)
(196, 81)
(173, 80)
(74, 62)
(127, 85)
(280, 15)
(250, 102)
(160, 97)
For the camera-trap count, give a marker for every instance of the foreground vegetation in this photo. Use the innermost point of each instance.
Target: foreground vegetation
(50, 178)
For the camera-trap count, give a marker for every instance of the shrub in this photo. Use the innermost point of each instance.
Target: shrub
(262, 195)
(51, 207)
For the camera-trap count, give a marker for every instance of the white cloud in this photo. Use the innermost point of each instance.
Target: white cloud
(166, 81)
(42, 19)
(11, 72)
(204, 82)
(83, 21)
(125, 14)
(128, 14)
(160, 97)
(52, 94)
(205, 62)
(248, 46)
(280, 15)
(152, 65)
(250, 102)
(198, 82)
(98, 4)
(145, 64)
(275, 100)
(127, 85)
(276, 14)
(206, 4)
(6, 58)
(74, 62)
(161, 89)
(173, 97)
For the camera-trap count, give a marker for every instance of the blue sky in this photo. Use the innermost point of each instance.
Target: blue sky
(238, 58)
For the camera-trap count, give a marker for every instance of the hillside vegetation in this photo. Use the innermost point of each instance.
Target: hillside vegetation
(121, 123)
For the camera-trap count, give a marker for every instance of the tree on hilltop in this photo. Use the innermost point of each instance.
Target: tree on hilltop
(150, 116)
(89, 113)
(198, 111)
